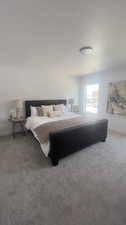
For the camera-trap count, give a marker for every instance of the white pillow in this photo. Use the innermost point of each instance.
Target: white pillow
(33, 111)
(55, 114)
(60, 107)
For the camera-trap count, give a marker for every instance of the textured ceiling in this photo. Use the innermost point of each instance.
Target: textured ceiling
(47, 34)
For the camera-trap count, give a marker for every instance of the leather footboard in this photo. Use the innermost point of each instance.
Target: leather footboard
(71, 140)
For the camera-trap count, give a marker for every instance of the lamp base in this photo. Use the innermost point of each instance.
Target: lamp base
(18, 113)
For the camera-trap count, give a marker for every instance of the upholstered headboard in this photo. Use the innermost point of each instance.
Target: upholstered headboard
(41, 102)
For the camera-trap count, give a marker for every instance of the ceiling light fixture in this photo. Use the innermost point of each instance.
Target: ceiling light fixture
(86, 50)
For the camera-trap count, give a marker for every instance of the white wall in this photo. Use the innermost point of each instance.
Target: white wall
(29, 84)
(116, 123)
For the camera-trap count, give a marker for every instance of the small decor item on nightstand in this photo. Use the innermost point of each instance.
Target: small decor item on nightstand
(12, 114)
(76, 108)
(19, 108)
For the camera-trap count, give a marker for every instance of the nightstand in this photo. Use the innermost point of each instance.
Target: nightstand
(21, 122)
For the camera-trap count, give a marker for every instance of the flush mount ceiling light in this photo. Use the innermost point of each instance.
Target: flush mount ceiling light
(86, 50)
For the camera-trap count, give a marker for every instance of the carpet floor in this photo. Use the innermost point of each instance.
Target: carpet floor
(87, 188)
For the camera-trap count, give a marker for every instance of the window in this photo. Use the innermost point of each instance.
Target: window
(92, 98)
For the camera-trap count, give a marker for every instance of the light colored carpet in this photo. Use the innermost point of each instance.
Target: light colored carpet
(87, 188)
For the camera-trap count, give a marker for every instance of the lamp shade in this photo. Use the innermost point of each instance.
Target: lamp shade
(19, 104)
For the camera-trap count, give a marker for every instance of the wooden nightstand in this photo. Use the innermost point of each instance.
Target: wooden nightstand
(21, 122)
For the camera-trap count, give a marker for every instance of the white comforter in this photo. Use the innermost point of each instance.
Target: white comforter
(35, 121)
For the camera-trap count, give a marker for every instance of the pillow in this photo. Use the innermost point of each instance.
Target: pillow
(60, 107)
(55, 114)
(36, 111)
(39, 111)
(46, 109)
(33, 111)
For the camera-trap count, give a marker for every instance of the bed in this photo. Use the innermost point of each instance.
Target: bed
(67, 140)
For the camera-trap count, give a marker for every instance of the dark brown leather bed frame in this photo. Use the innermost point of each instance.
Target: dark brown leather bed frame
(68, 141)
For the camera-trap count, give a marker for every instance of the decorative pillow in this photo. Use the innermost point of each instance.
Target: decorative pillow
(39, 111)
(46, 109)
(36, 111)
(60, 107)
(33, 111)
(55, 114)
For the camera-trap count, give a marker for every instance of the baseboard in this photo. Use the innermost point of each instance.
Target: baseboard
(116, 132)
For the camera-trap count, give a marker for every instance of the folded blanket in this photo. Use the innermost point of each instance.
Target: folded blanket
(43, 131)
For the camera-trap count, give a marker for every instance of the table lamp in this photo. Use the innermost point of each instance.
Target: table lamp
(71, 102)
(19, 108)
